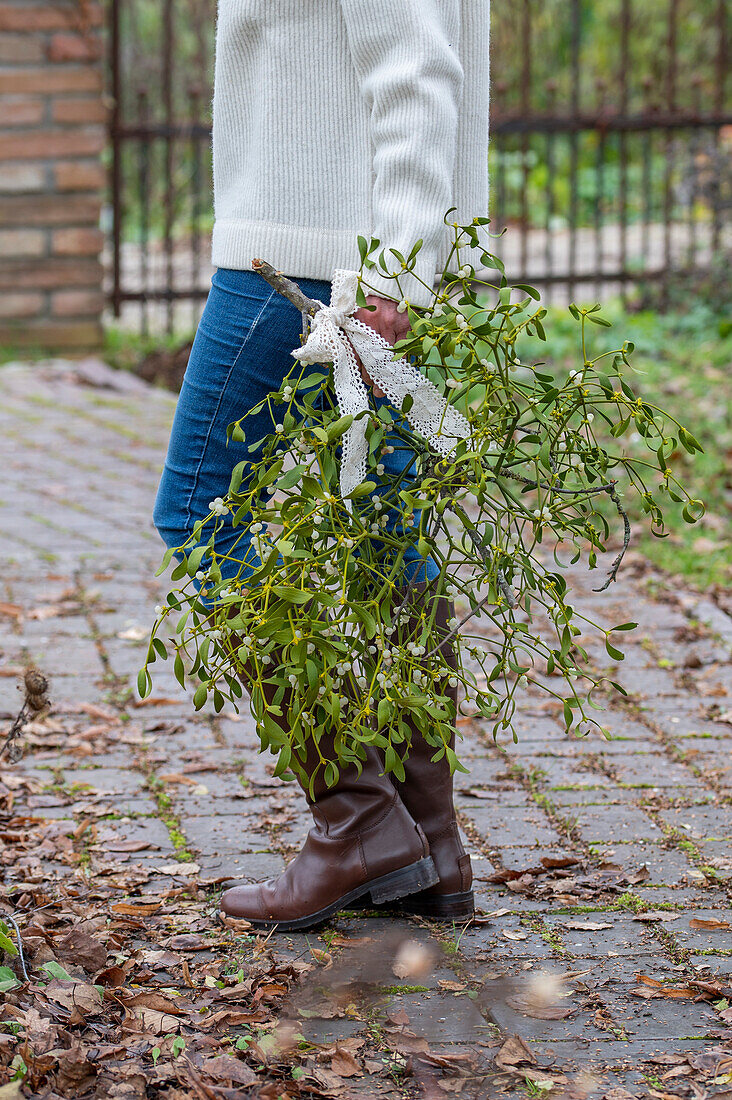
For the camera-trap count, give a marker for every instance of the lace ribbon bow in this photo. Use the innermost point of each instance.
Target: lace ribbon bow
(334, 334)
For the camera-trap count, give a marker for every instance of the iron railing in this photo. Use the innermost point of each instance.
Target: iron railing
(610, 158)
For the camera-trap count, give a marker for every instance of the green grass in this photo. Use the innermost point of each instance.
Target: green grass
(682, 363)
(124, 350)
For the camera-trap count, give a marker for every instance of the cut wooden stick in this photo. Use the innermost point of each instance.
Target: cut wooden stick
(287, 288)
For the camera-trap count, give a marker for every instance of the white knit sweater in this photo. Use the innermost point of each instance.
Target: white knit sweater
(334, 118)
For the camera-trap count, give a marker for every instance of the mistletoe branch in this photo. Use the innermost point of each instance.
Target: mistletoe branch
(617, 562)
(345, 666)
(287, 288)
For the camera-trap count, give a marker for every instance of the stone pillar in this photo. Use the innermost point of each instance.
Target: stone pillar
(52, 133)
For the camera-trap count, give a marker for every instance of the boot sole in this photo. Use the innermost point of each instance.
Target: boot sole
(407, 880)
(439, 907)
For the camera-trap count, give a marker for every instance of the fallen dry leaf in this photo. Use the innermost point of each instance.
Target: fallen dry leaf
(653, 988)
(133, 634)
(225, 1067)
(175, 869)
(178, 777)
(75, 1072)
(543, 1080)
(188, 942)
(135, 909)
(587, 925)
(678, 1071)
(513, 1053)
(350, 941)
(344, 1064)
(126, 845)
(159, 1023)
(528, 1005)
(155, 700)
(81, 948)
(113, 976)
(657, 914)
(46, 611)
(639, 876)
(710, 925)
(236, 924)
(503, 876)
(406, 1043)
(79, 995)
(156, 1001)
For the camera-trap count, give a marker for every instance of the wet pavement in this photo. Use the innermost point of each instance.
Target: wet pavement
(603, 868)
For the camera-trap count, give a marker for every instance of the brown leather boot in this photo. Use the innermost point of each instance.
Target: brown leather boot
(427, 790)
(363, 844)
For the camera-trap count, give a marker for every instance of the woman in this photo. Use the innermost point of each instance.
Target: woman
(333, 118)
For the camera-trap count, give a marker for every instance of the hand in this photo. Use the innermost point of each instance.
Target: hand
(385, 320)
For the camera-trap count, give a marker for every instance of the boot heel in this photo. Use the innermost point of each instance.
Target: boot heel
(441, 907)
(408, 880)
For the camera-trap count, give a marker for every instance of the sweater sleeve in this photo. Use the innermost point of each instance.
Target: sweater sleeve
(411, 80)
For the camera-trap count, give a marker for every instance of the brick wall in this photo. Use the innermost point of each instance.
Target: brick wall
(52, 133)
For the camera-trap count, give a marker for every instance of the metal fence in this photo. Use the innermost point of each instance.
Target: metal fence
(610, 158)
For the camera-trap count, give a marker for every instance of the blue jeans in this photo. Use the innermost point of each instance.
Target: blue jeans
(241, 352)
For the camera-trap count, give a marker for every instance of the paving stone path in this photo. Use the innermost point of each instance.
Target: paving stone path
(603, 868)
